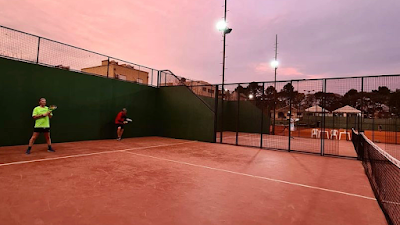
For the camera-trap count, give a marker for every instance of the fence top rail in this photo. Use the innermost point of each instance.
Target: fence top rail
(171, 73)
(313, 79)
(110, 57)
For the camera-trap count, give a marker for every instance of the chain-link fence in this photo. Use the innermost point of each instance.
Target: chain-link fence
(314, 116)
(26, 47)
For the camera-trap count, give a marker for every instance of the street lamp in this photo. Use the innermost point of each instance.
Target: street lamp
(251, 96)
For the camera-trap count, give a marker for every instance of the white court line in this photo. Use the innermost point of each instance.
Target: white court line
(254, 176)
(89, 154)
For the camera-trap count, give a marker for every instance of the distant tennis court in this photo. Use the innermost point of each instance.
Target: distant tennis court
(155, 180)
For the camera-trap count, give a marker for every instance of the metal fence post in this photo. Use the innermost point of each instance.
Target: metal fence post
(373, 126)
(108, 66)
(323, 118)
(222, 113)
(237, 118)
(215, 114)
(360, 120)
(38, 49)
(273, 123)
(159, 79)
(290, 114)
(151, 82)
(262, 113)
(138, 75)
(395, 130)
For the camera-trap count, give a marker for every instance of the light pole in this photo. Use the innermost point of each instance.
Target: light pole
(275, 65)
(223, 27)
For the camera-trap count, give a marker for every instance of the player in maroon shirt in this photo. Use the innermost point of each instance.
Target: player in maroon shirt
(120, 121)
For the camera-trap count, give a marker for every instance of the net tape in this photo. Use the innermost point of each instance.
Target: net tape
(393, 160)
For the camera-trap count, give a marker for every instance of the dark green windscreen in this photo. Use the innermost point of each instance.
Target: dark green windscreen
(87, 105)
(183, 115)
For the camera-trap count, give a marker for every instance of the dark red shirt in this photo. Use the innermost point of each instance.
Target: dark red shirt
(120, 118)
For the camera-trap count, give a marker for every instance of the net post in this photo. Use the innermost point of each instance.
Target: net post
(262, 113)
(38, 50)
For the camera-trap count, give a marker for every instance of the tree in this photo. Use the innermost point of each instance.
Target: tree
(382, 90)
(351, 98)
(255, 89)
(394, 102)
(329, 101)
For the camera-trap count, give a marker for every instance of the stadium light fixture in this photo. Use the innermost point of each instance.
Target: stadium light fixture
(222, 25)
(274, 64)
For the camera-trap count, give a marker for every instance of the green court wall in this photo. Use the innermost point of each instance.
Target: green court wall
(87, 105)
(183, 115)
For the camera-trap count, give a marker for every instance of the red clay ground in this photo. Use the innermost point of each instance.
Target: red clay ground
(168, 181)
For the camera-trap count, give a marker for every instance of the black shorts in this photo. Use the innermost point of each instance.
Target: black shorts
(120, 125)
(41, 130)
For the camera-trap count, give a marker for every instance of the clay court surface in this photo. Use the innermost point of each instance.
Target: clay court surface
(156, 180)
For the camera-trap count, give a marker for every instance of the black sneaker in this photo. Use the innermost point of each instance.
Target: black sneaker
(28, 152)
(50, 150)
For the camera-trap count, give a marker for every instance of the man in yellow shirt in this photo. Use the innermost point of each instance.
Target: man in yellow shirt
(41, 114)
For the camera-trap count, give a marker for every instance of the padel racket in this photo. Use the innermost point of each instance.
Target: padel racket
(52, 108)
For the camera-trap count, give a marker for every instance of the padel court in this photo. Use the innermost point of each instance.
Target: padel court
(154, 180)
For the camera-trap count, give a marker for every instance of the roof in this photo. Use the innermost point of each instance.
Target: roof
(316, 109)
(347, 109)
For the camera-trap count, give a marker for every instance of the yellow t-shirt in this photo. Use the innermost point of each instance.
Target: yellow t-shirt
(43, 122)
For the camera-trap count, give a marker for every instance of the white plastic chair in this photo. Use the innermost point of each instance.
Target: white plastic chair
(334, 133)
(314, 132)
(325, 132)
(345, 134)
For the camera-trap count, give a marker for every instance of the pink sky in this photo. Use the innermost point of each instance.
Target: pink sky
(317, 38)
